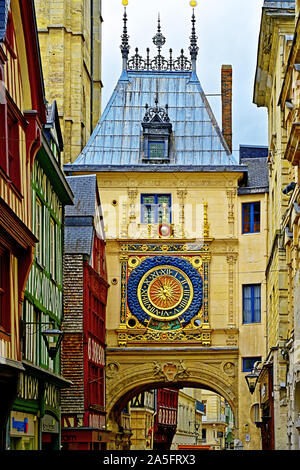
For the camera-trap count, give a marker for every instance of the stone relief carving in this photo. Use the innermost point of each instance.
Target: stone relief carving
(112, 370)
(170, 371)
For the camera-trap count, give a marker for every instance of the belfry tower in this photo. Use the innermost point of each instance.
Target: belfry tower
(169, 185)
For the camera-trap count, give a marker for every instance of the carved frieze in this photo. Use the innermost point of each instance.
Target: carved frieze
(170, 371)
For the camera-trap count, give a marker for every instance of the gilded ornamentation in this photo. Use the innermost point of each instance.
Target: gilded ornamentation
(231, 260)
(172, 247)
(205, 222)
(164, 289)
(202, 338)
(196, 262)
(133, 262)
(160, 295)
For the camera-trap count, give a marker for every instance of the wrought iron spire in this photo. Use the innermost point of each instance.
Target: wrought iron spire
(193, 44)
(159, 62)
(125, 41)
(159, 39)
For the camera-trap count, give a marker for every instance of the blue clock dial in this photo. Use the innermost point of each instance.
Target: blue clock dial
(165, 289)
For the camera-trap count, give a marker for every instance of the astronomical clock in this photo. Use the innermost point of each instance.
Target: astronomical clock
(165, 293)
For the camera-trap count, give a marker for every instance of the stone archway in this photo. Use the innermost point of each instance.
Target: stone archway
(133, 370)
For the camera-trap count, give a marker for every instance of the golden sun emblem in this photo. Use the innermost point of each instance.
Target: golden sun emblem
(165, 292)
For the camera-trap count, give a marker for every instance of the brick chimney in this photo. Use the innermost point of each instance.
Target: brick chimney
(226, 92)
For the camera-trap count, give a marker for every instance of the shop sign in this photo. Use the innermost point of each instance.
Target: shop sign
(68, 437)
(28, 387)
(52, 395)
(96, 352)
(21, 424)
(49, 424)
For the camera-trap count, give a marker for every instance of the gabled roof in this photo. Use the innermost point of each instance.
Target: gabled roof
(256, 159)
(53, 125)
(117, 138)
(279, 3)
(79, 218)
(196, 139)
(84, 190)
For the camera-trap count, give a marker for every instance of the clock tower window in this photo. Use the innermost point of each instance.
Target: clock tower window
(155, 208)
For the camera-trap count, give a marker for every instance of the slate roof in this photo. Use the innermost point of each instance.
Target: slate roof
(53, 124)
(4, 8)
(279, 3)
(79, 218)
(256, 159)
(117, 138)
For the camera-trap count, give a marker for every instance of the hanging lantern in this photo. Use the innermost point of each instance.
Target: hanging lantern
(251, 380)
(52, 340)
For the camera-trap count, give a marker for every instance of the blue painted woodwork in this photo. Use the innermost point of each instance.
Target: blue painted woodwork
(252, 303)
(251, 217)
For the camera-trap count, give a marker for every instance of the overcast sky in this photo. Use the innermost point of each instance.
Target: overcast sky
(227, 34)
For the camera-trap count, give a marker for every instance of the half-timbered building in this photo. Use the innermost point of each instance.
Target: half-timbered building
(83, 349)
(38, 396)
(22, 114)
(165, 420)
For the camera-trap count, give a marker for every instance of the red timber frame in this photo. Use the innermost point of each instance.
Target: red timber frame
(165, 423)
(16, 237)
(95, 298)
(14, 234)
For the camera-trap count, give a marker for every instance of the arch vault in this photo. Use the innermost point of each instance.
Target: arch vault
(133, 370)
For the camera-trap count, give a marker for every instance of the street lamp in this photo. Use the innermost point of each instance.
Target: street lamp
(251, 380)
(52, 340)
(51, 336)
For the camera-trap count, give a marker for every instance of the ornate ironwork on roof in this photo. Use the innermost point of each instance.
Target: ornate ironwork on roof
(159, 62)
(156, 112)
(131, 121)
(125, 38)
(193, 46)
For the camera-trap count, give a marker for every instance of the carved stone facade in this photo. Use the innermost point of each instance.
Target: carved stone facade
(177, 257)
(276, 89)
(162, 367)
(209, 350)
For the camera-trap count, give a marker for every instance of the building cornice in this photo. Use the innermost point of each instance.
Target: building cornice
(70, 169)
(272, 17)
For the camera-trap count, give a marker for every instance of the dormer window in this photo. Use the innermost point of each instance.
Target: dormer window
(157, 130)
(156, 150)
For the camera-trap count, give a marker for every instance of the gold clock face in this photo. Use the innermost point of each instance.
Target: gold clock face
(165, 292)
